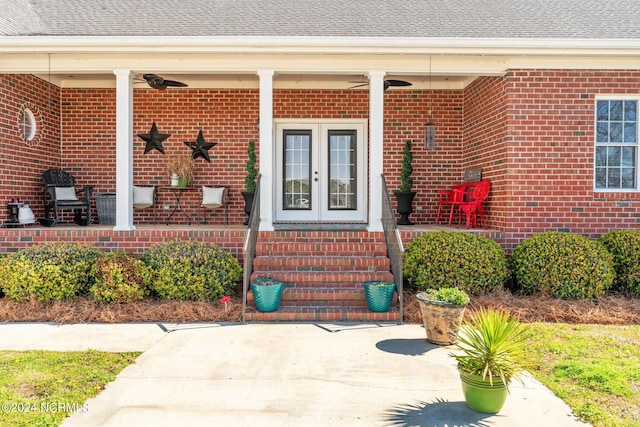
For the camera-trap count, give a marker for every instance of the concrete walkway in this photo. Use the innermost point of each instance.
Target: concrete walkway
(281, 375)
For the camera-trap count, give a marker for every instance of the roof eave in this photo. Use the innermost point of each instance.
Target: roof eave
(323, 45)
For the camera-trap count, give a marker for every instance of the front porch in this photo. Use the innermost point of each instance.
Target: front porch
(229, 237)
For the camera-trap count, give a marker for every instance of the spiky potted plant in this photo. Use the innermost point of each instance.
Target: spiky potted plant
(250, 180)
(404, 194)
(492, 345)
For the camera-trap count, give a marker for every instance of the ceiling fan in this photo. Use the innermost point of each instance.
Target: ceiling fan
(387, 84)
(157, 82)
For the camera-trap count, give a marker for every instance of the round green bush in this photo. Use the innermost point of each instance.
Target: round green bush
(624, 246)
(47, 272)
(474, 264)
(119, 278)
(562, 265)
(191, 271)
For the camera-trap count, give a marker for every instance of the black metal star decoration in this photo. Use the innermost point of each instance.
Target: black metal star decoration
(154, 139)
(200, 147)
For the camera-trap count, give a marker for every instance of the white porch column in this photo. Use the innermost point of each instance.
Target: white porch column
(124, 150)
(266, 149)
(376, 152)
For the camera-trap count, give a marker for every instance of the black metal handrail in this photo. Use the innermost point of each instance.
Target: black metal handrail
(249, 246)
(395, 250)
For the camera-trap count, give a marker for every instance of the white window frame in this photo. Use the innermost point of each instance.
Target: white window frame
(616, 97)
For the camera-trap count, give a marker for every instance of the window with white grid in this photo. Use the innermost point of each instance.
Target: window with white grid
(616, 144)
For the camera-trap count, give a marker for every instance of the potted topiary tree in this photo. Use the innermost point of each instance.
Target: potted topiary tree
(404, 195)
(442, 312)
(492, 346)
(250, 180)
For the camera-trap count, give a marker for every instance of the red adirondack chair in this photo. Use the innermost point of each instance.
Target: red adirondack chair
(448, 199)
(471, 202)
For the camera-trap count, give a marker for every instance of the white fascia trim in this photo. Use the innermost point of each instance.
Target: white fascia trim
(379, 45)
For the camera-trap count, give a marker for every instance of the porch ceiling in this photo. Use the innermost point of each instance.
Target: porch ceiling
(251, 81)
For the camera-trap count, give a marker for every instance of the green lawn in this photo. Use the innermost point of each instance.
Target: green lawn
(41, 388)
(595, 369)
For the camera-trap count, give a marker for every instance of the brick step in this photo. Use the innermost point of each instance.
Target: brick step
(323, 314)
(321, 249)
(321, 263)
(321, 236)
(322, 297)
(323, 272)
(323, 279)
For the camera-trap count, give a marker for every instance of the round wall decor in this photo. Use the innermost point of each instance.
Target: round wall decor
(29, 123)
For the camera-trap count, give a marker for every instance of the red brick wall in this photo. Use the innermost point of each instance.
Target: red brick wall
(406, 112)
(226, 117)
(22, 164)
(485, 139)
(550, 151)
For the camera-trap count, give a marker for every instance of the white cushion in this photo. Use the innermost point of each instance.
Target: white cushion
(66, 193)
(143, 196)
(212, 196)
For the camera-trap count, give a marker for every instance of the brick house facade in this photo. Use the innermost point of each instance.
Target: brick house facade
(531, 131)
(514, 89)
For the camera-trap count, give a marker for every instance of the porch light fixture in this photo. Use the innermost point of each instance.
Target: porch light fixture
(430, 126)
(430, 135)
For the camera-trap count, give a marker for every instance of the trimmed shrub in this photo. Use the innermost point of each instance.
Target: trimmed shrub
(47, 272)
(474, 264)
(624, 246)
(562, 265)
(119, 278)
(189, 270)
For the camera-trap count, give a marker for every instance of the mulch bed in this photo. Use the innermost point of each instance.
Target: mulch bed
(610, 310)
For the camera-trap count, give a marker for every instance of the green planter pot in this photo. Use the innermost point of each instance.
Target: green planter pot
(267, 294)
(379, 295)
(480, 395)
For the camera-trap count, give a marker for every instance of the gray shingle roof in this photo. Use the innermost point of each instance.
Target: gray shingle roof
(579, 19)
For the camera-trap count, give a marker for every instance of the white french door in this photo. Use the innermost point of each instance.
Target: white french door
(320, 172)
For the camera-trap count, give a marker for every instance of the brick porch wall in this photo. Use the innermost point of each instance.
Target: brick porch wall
(104, 238)
(485, 142)
(22, 163)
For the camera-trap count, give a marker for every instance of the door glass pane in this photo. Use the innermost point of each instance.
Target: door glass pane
(297, 170)
(342, 169)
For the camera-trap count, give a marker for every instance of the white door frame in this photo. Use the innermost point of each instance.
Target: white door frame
(320, 213)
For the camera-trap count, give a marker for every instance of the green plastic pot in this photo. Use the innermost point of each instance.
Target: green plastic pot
(379, 295)
(480, 395)
(267, 294)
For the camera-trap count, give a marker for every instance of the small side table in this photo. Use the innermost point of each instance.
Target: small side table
(177, 192)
